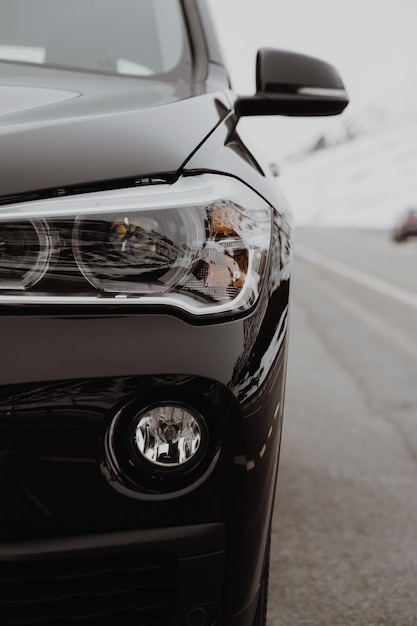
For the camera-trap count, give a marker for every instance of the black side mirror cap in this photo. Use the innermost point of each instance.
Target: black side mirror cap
(289, 83)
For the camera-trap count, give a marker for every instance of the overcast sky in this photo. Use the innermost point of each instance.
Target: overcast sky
(373, 44)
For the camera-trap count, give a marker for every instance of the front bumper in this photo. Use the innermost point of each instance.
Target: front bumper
(163, 576)
(66, 378)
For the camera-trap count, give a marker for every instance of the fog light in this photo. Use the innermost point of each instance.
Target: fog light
(170, 437)
(159, 448)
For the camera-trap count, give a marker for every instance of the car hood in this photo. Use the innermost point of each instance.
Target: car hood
(60, 129)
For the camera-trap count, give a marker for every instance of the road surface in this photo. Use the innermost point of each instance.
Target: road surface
(344, 546)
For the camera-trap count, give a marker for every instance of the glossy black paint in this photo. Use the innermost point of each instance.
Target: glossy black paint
(289, 83)
(125, 120)
(67, 372)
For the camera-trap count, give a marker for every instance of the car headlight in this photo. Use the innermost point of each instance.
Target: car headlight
(200, 244)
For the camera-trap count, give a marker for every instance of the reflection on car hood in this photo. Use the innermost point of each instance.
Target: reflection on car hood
(59, 129)
(18, 98)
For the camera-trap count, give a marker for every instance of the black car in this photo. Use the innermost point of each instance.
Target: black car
(145, 259)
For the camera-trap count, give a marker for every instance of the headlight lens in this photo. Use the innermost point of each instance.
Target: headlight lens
(137, 253)
(200, 244)
(25, 251)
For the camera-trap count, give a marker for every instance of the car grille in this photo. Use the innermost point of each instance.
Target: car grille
(107, 589)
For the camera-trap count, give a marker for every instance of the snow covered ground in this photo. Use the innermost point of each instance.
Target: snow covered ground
(365, 182)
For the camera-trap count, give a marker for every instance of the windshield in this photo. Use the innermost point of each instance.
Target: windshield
(130, 37)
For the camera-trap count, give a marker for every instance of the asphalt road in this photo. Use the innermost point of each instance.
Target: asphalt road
(344, 546)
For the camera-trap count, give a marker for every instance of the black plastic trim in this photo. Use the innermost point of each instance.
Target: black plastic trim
(184, 541)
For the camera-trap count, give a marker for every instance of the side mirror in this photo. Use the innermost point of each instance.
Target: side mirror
(288, 83)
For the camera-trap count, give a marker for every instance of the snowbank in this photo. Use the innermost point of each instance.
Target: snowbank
(366, 182)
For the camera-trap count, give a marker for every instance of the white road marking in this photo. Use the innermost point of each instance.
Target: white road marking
(367, 280)
(378, 326)
(380, 286)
